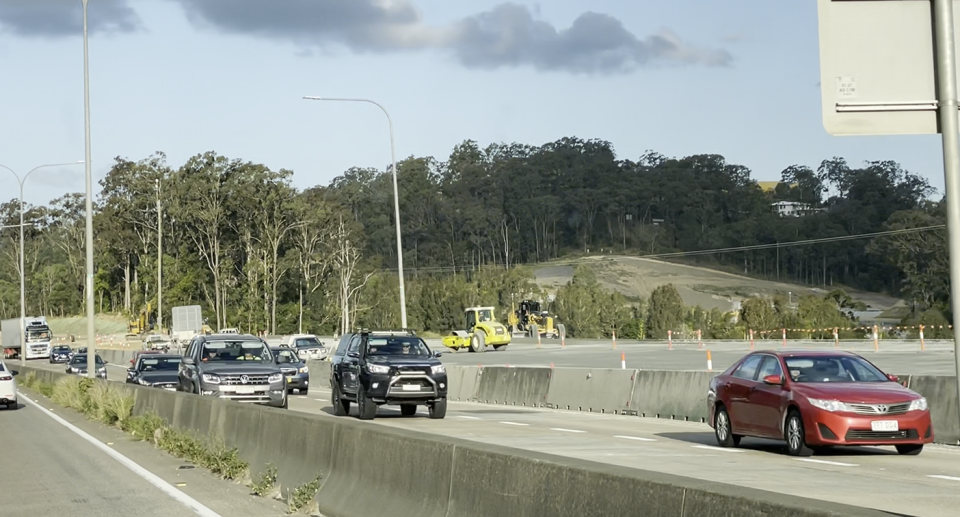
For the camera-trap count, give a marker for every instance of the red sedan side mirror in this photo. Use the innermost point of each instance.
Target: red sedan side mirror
(776, 380)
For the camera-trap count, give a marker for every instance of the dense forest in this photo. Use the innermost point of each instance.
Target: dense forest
(258, 253)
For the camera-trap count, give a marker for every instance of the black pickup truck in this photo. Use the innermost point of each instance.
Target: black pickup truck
(375, 368)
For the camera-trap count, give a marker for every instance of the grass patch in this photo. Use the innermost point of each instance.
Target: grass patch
(104, 403)
(302, 498)
(101, 401)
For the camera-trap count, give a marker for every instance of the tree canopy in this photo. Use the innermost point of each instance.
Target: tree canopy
(256, 252)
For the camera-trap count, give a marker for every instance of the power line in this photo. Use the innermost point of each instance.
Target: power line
(715, 251)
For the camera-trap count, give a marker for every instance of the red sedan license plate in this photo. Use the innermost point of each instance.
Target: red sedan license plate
(885, 425)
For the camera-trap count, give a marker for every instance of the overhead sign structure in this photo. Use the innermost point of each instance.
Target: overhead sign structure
(889, 67)
(878, 67)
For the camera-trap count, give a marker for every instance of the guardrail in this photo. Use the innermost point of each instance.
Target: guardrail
(371, 469)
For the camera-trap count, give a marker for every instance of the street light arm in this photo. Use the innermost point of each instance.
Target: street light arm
(396, 198)
(67, 164)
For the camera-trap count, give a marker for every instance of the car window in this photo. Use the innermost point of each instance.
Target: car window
(816, 369)
(748, 370)
(223, 351)
(286, 357)
(150, 364)
(344, 343)
(396, 346)
(307, 341)
(354, 344)
(2, 368)
(770, 366)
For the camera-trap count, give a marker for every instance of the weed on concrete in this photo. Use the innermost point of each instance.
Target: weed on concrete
(102, 402)
(302, 498)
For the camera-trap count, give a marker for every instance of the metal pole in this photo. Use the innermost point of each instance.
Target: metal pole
(159, 263)
(950, 129)
(91, 327)
(396, 201)
(23, 310)
(23, 274)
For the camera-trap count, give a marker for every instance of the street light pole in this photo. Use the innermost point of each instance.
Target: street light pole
(23, 308)
(159, 263)
(396, 200)
(91, 328)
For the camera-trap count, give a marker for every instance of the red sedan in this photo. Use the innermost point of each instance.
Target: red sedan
(826, 399)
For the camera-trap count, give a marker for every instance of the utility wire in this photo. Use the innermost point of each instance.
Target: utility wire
(790, 244)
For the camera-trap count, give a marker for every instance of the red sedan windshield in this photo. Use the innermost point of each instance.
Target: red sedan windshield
(818, 369)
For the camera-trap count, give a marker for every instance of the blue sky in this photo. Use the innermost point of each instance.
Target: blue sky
(733, 77)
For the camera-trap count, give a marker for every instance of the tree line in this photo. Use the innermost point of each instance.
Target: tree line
(255, 252)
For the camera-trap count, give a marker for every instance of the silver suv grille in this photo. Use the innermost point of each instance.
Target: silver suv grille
(236, 380)
(880, 409)
(288, 371)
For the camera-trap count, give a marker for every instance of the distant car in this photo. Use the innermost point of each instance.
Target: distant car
(156, 342)
(294, 370)
(387, 367)
(827, 398)
(308, 347)
(78, 366)
(8, 388)
(60, 354)
(229, 331)
(155, 370)
(140, 353)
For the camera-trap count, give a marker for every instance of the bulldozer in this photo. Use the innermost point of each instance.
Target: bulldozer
(530, 320)
(483, 330)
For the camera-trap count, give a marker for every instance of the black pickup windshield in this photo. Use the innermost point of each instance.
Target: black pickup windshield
(377, 346)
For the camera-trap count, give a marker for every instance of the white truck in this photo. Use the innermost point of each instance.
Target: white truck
(37, 336)
(307, 346)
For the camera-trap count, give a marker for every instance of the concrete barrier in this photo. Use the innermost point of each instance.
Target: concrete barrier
(597, 390)
(319, 373)
(514, 386)
(941, 395)
(452, 477)
(370, 470)
(674, 395)
(463, 382)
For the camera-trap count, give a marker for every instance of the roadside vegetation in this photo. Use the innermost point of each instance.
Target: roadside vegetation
(101, 402)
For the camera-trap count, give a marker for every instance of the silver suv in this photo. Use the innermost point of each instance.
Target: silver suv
(231, 366)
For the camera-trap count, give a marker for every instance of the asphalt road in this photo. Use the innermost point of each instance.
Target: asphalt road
(50, 470)
(894, 357)
(923, 486)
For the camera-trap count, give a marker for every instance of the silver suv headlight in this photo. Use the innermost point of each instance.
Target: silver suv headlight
(276, 377)
(304, 369)
(210, 378)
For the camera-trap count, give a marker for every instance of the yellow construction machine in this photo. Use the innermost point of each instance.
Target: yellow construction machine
(530, 320)
(142, 324)
(483, 330)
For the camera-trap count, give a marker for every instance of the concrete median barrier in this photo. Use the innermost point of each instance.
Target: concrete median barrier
(370, 469)
(462, 382)
(514, 386)
(319, 373)
(674, 395)
(941, 395)
(595, 390)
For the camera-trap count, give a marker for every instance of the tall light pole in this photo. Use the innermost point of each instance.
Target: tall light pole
(23, 308)
(91, 328)
(396, 200)
(159, 263)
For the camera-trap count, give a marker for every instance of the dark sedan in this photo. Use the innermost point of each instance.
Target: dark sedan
(156, 370)
(294, 369)
(78, 366)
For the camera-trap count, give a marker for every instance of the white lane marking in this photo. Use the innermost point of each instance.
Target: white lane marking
(514, 423)
(150, 477)
(637, 438)
(712, 448)
(825, 462)
(948, 478)
(469, 417)
(562, 430)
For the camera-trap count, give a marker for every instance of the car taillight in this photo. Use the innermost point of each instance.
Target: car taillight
(6, 378)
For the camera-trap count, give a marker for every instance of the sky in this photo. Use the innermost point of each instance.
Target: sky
(734, 77)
